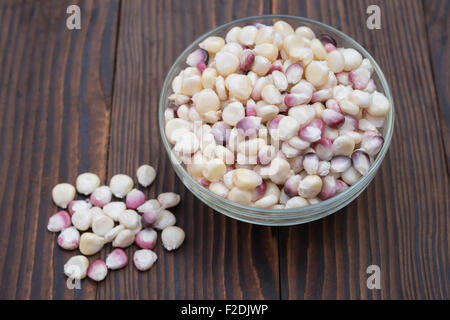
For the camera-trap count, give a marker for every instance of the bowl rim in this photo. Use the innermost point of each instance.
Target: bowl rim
(292, 213)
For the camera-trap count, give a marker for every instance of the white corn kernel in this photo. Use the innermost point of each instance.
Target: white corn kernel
(176, 84)
(87, 182)
(233, 112)
(296, 202)
(350, 176)
(310, 186)
(287, 128)
(303, 114)
(176, 128)
(168, 199)
(69, 238)
(318, 49)
(172, 237)
(183, 112)
(298, 143)
(233, 48)
(214, 170)
(212, 44)
(149, 205)
(135, 198)
(62, 194)
(352, 59)
(96, 212)
(361, 98)
(228, 179)
(261, 65)
(239, 86)
(102, 225)
(206, 100)
(303, 87)
(187, 144)
(349, 107)
(116, 259)
(82, 219)
(251, 147)
(266, 154)
(266, 111)
(266, 201)
(317, 73)
(220, 88)
(164, 219)
(76, 267)
(144, 259)
(311, 163)
(224, 154)
(226, 63)
(209, 76)
(240, 196)
(271, 94)
(380, 105)
(283, 27)
(335, 61)
(247, 35)
(146, 239)
(90, 243)
(246, 179)
(76, 205)
(112, 234)
(219, 188)
(179, 99)
(59, 221)
(267, 50)
(98, 270)
(279, 170)
(233, 35)
(265, 34)
(191, 85)
(257, 88)
(305, 32)
(343, 145)
(279, 80)
(114, 209)
(120, 185)
(129, 218)
(289, 151)
(146, 175)
(101, 196)
(123, 239)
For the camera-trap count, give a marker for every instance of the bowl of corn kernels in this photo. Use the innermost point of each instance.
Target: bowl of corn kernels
(276, 120)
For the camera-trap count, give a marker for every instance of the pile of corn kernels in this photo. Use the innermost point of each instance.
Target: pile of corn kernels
(274, 117)
(117, 222)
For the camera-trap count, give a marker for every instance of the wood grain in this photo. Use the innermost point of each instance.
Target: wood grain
(55, 96)
(221, 258)
(86, 100)
(401, 221)
(437, 25)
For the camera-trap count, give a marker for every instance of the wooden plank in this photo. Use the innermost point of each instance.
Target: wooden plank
(437, 26)
(221, 258)
(55, 95)
(401, 221)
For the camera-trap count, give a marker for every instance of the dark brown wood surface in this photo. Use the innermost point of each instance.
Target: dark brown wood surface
(72, 101)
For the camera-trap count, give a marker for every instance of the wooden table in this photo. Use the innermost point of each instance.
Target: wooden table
(86, 100)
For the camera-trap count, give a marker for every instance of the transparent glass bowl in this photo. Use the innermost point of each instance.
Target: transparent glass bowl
(279, 217)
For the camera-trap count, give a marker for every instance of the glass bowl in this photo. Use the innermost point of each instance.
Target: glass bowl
(277, 217)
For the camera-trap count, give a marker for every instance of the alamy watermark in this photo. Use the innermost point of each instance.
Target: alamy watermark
(374, 20)
(74, 273)
(74, 19)
(374, 280)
